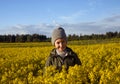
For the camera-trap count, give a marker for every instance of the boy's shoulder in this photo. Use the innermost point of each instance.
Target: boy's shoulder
(69, 49)
(53, 52)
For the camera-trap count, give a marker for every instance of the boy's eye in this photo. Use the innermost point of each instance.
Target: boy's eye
(58, 42)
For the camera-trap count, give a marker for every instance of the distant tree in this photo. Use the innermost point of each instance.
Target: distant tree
(17, 39)
(36, 38)
(69, 37)
(13, 38)
(41, 38)
(29, 38)
(109, 34)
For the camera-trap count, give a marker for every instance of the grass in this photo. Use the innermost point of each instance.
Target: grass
(43, 44)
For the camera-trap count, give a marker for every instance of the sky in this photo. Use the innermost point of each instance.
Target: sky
(75, 16)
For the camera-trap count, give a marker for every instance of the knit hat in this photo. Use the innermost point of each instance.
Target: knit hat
(57, 34)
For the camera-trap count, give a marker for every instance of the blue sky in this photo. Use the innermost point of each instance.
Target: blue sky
(75, 16)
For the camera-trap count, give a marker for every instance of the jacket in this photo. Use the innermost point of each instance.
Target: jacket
(70, 60)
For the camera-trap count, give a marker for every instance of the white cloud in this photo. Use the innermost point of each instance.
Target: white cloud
(98, 27)
(44, 29)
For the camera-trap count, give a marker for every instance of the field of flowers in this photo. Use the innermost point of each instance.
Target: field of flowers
(23, 63)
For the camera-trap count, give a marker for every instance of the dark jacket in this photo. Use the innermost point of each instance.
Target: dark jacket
(70, 60)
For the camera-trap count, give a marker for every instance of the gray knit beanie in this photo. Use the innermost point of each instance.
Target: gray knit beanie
(57, 34)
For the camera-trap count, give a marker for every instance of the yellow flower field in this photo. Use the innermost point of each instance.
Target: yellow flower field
(24, 64)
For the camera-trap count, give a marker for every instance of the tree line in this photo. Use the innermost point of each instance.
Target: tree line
(23, 38)
(44, 38)
(107, 35)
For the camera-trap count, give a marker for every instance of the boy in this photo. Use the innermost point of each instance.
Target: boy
(61, 54)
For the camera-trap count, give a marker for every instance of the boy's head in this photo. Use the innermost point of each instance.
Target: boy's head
(59, 38)
(58, 33)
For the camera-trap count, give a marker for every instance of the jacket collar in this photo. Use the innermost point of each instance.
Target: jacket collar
(54, 53)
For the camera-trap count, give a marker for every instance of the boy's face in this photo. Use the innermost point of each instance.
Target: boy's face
(60, 44)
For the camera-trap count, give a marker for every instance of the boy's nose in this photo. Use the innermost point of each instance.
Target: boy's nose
(61, 44)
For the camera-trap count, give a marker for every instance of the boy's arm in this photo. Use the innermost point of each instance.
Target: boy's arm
(48, 62)
(77, 60)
